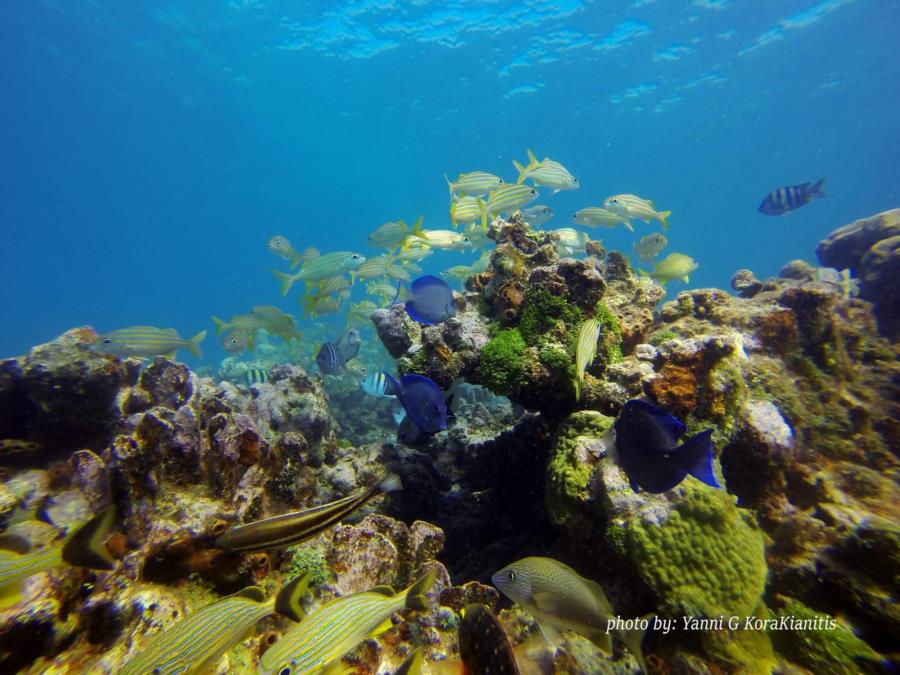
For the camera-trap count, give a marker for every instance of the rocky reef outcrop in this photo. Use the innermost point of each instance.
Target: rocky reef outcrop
(797, 377)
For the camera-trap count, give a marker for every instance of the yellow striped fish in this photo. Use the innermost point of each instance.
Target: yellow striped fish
(475, 183)
(341, 624)
(391, 235)
(506, 198)
(546, 173)
(293, 528)
(585, 351)
(198, 641)
(596, 216)
(464, 211)
(323, 267)
(85, 547)
(275, 322)
(446, 240)
(146, 341)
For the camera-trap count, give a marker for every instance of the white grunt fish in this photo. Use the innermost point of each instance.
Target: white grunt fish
(476, 183)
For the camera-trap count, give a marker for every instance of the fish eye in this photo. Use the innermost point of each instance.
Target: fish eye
(107, 341)
(511, 575)
(285, 671)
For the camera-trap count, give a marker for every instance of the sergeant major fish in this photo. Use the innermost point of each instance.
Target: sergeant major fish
(784, 199)
(197, 642)
(323, 637)
(293, 528)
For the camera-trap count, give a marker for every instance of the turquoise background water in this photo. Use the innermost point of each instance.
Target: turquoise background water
(150, 149)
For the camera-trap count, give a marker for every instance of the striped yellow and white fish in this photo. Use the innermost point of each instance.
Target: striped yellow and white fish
(506, 199)
(393, 234)
(446, 240)
(323, 637)
(275, 322)
(147, 341)
(297, 527)
(650, 245)
(197, 642)
(585, 351)
(464, 211)
(323, 267)
(381, 289)
(415, 250)
(335, 284)
(632, 206)
(239, 322)
(361, 312)
(596, 216)
(84, 547)
(475, 183)
(477, 235)
(571, 241)
(546, 173)
(320, 305)
(282, 247)
(373, 268)
(256, 376)
(397, 271)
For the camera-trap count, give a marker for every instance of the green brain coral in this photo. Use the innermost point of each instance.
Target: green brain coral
(501, 367)
(706, 559)
(568, 474)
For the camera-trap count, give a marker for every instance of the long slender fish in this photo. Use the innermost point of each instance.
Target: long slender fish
(293, 528)
(198, 641)
(326, 635)
(84, 547)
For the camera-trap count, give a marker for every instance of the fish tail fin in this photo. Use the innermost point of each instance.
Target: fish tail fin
(413, 664)
(522, 171)
(309, 303)
(220, 325)
(391, 386)
(482, 207)
(194, 345)
(696, 456)
(287, 280)
(577, 383)
(628, 224)
(287, 602)
(663, 218)
(453, 215)
(449, 185)
(416, 595)
(417, 229)
(815, 190)
(633, 640)
(532, 160)
(390, 483)
(86, 546)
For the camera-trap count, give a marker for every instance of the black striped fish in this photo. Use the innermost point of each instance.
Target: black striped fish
(296, 527)
(784, 199)
(256, 376)
(330, 632)
(375, 385)
(198, 641)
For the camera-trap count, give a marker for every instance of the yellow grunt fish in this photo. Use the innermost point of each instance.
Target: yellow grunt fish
(464, 211)
(632, 206)
(327, 634)
(595, 216)
(546, 173)
(197, 642)
(506, 198)
(84, 547)
(476, 183)
(296, 527)
(446, 240)
(320, 268)
(147, 341)
(394, 234)
(585, 351)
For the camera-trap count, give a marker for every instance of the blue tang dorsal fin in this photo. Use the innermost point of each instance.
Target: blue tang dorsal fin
(660, 417)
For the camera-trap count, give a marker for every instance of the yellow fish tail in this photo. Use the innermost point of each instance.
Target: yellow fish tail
(663, 216)
(417, 229)
(482, 207)
(416, 597)
(286, 280)
(195, 341)
(522, 171)
(220, 325)
(532, 160)
(287, 603)
(577, 383)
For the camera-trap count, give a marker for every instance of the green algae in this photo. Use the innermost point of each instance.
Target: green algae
(661, 336)
(558, 361)
(824, 652)
(542, 315)
(568, 475)
(609, 347)
(308, 559)
(501, 367)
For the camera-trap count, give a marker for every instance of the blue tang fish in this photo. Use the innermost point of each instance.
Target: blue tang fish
(791, 197)
(430, 301)
(422, 399)
(647, 447)
(409, 434)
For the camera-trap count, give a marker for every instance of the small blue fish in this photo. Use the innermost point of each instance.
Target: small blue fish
(784, 199)
(409, 434)
(647, 447)
(422, 399)
(430, 301)
(375, 384)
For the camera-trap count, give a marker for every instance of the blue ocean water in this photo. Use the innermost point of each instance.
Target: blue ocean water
(150, 149)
